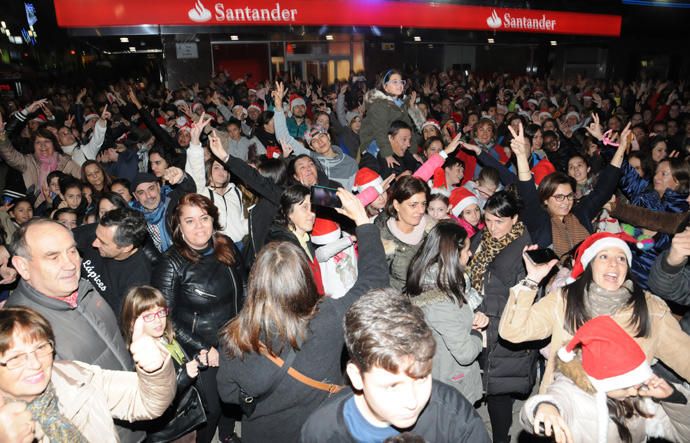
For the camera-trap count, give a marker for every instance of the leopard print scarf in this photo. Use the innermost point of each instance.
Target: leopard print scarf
(488, 249)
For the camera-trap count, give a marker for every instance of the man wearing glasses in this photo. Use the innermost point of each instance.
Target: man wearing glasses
(45, 256)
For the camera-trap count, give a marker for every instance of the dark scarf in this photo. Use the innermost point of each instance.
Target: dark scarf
(488, 249)
(44, 409)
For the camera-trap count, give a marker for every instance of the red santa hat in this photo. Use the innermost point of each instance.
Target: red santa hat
(325, 231)
(296, 100)
(366, 178)
(461, 198)
(541, 170)
(612, 360)
(257, 106)
(431, 122)
(41, 118)
(274, 152)
(594, 244)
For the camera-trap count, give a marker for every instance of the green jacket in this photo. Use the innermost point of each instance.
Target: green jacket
(381, 111)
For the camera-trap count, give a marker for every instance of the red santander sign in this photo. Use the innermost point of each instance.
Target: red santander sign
(384, 13)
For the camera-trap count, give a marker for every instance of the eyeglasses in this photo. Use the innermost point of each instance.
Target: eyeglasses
(561, 197)
(160, 314)
(397, 82)
(20, 360)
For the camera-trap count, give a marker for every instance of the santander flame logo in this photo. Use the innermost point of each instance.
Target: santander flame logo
(199, 13)
(494, 21)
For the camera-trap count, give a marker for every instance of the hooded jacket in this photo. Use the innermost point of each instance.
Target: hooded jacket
(381, 111)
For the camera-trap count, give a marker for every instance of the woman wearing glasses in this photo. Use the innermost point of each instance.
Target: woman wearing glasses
(384, 105)
(550, 214)
(49, 401)
(202, 279)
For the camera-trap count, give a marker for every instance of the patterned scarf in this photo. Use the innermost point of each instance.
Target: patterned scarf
(600, 301)
(488, 249)
(55, 426)
(567, 234)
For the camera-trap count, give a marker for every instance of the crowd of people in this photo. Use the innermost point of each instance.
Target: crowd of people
(394, 259)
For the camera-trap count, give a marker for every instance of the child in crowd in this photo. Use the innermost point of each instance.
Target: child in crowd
(145, 307)
(438, 207)
(465, 210)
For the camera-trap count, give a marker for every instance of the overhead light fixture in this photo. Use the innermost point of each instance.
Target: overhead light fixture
(3, 24)
(329, 37)
(490, 40)
(124, 40)
(554, 43)
(417, 38)
(234, 37)
(375, 30)
(132, 49)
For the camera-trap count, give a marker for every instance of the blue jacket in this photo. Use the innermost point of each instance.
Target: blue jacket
(638, 191)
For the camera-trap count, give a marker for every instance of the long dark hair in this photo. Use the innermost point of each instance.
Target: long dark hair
(222, 245)
(621, 410)
(576, 312)
(281, 300)
(293, 195)
(441, 247)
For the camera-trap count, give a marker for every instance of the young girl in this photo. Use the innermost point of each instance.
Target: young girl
(149, 304)
(465, 210)
(438, 207)
(605, 391)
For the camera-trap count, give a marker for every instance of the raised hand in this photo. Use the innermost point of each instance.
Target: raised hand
(594, 127)
(519, 143)
(536, 272)
(391, 162)
(352, 207)
(453, 145)
(470, 147)
(132, 96)
(105, 116)
(278, 94)
(387, 182)
(173, 175)
(147, 354)
(198, 127)
(216, 146)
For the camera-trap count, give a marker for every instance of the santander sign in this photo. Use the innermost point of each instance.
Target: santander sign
(520, 22)
(200, 14)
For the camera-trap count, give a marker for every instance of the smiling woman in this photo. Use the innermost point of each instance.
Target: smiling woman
(201, 277)
(89, 397)
(602, 284)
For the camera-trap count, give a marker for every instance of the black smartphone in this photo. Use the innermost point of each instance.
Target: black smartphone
(684, 224)
(322, 196)
(541, 256)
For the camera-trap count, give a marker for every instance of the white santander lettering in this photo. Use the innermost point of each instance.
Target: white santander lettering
(541, 24)
(248, 14)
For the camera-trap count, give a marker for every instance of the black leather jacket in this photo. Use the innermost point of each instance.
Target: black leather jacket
(202, 296)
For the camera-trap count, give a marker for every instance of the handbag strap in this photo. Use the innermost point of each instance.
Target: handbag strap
(294, 373)
(284, 369)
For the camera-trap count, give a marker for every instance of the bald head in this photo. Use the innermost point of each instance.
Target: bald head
(46, 257)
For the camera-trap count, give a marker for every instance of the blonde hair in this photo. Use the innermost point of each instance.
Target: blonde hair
(138, 300)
